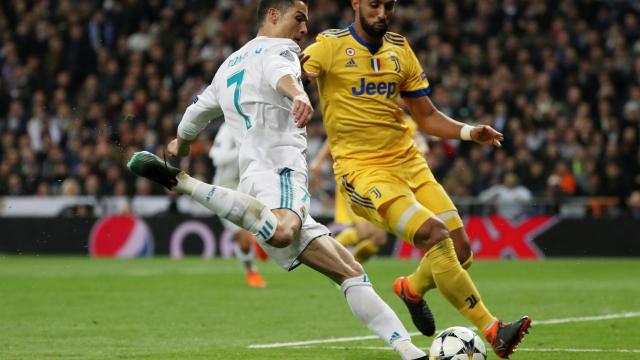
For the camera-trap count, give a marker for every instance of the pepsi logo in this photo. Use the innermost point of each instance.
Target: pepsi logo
(121, 236)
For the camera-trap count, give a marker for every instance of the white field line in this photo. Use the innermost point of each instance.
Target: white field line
(371, 337)
(570, 350)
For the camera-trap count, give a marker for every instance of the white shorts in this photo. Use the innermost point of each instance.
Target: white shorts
(285, 189)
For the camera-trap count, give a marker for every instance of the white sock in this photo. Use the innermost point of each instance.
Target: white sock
(246, 258)
(241, 209)
(408, 351)
(367, 306)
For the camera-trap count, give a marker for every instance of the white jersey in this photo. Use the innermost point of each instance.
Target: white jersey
(260, 119)
(272, 149)
(224, 154)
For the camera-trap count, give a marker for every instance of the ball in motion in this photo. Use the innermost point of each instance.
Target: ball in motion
(457, 343)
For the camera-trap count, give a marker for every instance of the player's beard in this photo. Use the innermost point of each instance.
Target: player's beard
(371, 30)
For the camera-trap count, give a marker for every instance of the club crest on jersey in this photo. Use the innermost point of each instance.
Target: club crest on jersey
(351, 63)
(396, 63)
(375, 192)
(376, 64)
(350, 51)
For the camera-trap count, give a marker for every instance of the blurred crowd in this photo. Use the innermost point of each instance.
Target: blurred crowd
(85, 83)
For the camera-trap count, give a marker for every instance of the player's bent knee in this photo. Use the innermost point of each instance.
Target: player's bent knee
(430, 233)
(466, 264)
(379, 238)
(464, 254)
(282, 237)
(462, 245)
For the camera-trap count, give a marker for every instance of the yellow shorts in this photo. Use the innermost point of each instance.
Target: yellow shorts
(399, 199)
(344, 215)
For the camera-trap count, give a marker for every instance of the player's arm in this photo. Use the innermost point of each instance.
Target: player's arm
(414, 91)
(315, 167)
(434, 122)
(302, 110)
(197, 116)
(281, 69)
(316, 163)
(316, 58)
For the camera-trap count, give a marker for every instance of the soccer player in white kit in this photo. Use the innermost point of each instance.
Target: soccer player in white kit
(259, 92)
(224, 154)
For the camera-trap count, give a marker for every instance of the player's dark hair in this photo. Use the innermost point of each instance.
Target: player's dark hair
(281, 5)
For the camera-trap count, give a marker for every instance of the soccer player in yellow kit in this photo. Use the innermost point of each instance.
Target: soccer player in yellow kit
(360, 72)
(365, 237)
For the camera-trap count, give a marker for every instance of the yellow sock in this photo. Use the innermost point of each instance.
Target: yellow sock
(422, 280)
(348, 237)
(455, 284)
(364, 250)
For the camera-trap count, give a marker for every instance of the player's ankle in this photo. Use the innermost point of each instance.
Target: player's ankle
(402, 287)
(487, 330)
(186, 184)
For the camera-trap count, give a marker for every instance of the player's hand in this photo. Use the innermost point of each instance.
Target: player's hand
(302, 110)
(484, 134)
(181, 148)
(306, 75)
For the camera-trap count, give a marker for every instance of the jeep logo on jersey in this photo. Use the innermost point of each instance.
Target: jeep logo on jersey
(372, 88)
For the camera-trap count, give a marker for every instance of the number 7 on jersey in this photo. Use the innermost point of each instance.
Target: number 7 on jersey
(237, 80)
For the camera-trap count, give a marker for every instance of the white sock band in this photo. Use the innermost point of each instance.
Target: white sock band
(362, 280)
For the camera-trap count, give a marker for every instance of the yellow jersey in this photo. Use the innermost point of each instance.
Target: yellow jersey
(359, 86)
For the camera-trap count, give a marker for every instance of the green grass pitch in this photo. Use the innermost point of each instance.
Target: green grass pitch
(81, 308)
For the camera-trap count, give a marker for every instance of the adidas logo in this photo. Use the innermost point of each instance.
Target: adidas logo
(351, 63)
(210, 194)
(395, 336)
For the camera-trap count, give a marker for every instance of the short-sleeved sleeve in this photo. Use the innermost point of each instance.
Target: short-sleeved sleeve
(320, 55)
(280, 61)
(415, 84)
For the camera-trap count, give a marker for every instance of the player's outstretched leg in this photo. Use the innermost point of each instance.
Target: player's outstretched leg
(241, 209)
(456, 286)
(331, 259)
(372, 239)
(412, 289)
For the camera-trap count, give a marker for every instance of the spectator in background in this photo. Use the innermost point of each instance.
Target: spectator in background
(70, 187)
(634, 204)
(510, 198)
(83, 84)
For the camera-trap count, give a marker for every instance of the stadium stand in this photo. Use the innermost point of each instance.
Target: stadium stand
(84, 84)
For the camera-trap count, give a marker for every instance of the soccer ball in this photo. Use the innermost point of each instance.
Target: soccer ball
(457, 343)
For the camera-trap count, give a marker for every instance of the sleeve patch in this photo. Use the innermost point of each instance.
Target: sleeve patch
(423, 75)
(288, 55)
